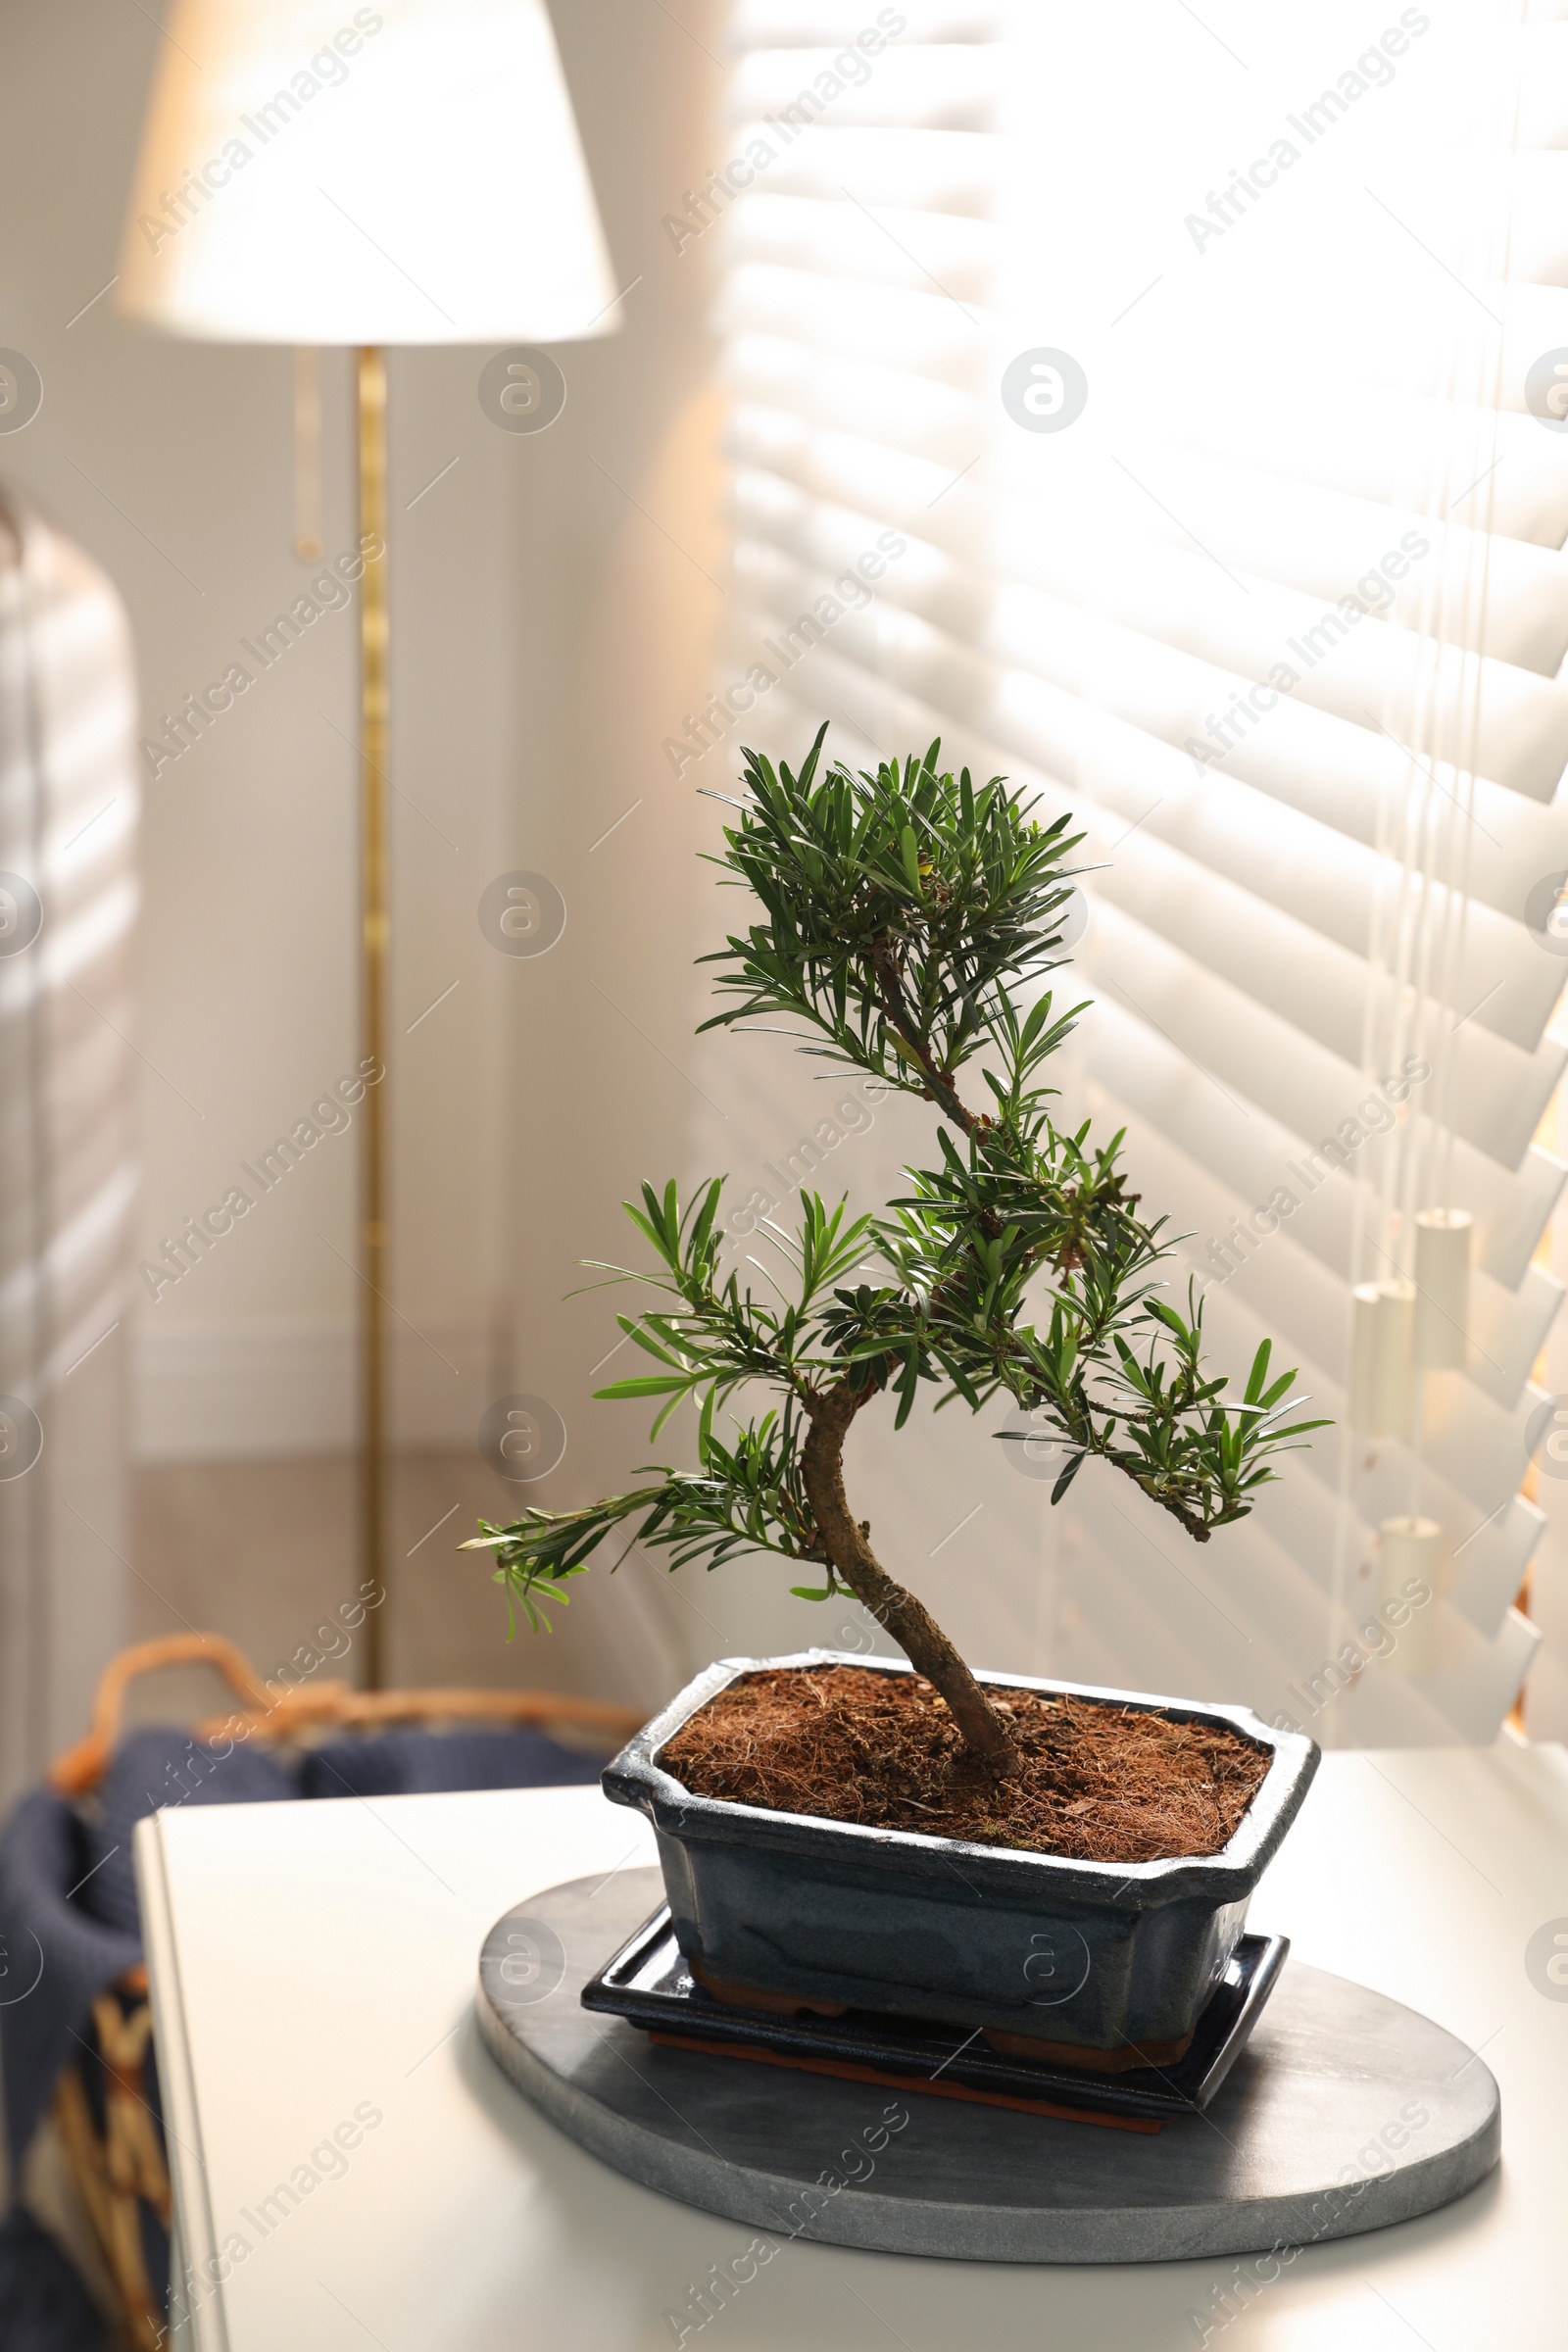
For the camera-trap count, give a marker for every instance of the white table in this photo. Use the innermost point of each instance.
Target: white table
(313, 1961)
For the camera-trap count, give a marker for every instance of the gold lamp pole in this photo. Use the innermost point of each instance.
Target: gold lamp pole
(374, 731)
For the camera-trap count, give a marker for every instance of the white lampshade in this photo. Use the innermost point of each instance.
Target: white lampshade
(407, 173)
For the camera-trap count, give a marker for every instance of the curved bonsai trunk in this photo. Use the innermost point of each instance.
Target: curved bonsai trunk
(909, 1621)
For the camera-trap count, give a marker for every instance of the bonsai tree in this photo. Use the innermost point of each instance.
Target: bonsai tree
(902, 919)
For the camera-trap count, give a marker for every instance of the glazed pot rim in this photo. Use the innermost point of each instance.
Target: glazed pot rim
(636, 1777)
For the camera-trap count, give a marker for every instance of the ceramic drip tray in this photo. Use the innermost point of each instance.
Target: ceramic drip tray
(1343, 2113)
(649, 1984)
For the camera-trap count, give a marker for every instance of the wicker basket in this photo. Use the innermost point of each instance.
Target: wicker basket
(108, 2129)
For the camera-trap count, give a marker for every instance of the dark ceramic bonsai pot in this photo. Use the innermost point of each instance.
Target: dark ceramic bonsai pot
(1112, 1959)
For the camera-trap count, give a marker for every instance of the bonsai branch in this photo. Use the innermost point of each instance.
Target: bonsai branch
(907, 1620)
(895, 1009)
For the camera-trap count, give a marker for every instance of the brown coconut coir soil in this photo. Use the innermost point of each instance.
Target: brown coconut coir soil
(1099, 1783)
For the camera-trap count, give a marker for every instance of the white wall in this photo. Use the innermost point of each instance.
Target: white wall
(534, 605)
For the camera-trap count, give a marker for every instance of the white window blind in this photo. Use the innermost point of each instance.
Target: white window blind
(1281, 616)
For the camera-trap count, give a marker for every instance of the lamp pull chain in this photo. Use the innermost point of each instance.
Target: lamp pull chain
(308, 541)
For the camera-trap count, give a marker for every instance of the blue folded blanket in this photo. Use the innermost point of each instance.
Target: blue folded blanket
(411, 1763)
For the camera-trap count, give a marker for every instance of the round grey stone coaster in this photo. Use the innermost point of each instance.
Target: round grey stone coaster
(1344, 2112)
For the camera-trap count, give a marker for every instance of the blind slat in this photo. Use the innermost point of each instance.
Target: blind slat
(1292, 1281)
(1249, 1151)
(1229, 919)
(1333, 785)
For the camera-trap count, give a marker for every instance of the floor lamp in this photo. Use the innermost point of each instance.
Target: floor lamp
(407, 173)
